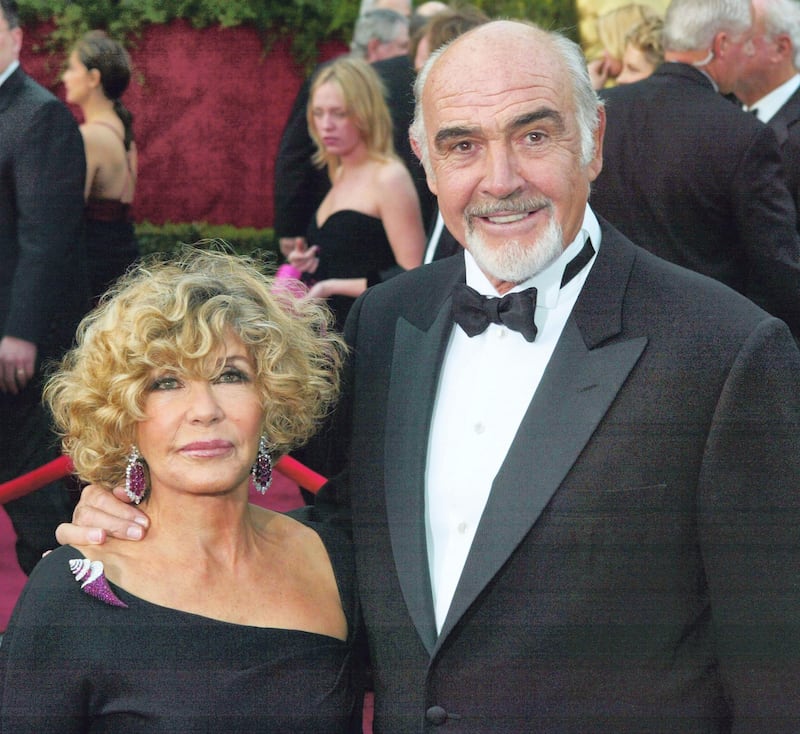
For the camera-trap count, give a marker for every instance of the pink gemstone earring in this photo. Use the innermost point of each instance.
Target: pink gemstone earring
(135, 482)
(262, 468)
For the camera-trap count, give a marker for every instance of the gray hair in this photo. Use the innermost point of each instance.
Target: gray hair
(690, 25)
(587, 104)
(381, 24)
(11, 13)
(783, 16)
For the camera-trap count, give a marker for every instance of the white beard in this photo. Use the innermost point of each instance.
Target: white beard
(515, 261)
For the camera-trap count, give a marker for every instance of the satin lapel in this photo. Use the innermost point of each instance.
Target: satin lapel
(415, 369)
(582, 381)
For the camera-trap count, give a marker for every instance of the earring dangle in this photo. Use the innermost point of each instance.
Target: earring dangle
(262, 468)
(135, 482)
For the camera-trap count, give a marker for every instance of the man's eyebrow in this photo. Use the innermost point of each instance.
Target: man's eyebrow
(452, 133)
(458, 132)
(545, 113)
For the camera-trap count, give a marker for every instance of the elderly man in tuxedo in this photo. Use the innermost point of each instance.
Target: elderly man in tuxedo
(43, 287)
(769, 86)
(571, 467)
(690, 177)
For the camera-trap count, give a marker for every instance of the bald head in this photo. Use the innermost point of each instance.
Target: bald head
(503, 51)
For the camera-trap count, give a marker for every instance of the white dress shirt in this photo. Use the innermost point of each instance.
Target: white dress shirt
(485, 386)
(769, 104)
(10, 69)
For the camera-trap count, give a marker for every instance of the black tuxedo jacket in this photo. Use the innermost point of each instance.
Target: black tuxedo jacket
(786, 125)
(697, 181)
(637, 566)
(43, 286)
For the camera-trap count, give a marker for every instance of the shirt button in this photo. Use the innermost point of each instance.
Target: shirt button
(436, 715)
(480, 428)
(462, 528)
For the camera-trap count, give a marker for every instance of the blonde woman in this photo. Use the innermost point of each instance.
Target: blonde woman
(370, 220)
(226, 616)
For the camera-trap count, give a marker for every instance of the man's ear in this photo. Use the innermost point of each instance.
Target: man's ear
(429, 177)
(596, 164)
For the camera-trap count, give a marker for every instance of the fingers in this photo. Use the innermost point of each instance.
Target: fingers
(100, 514)
(17, 364)
(287, 244)
(305, 261)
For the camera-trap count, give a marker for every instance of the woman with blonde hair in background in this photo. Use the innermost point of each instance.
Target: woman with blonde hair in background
(613, 28)
(370, 221)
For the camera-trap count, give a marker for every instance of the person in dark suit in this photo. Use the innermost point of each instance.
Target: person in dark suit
(578, 514)
(769, 86)
(691, 178)
(43, 287)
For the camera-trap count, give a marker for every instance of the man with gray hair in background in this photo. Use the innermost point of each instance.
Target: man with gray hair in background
(769, 86)
(690, 176)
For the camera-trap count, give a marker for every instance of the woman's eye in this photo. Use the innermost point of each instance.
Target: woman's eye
(233, 375)
(167, 382)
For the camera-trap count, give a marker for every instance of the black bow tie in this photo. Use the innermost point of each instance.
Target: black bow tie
(474, 312)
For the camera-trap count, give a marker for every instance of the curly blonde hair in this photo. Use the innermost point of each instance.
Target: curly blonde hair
(176, 313)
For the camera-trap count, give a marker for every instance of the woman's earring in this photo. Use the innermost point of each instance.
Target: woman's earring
(135, 482)
(262, 468)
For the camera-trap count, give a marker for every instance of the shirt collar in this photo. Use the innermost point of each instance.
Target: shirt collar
(770, 103)
(10, 69)
(548, 281)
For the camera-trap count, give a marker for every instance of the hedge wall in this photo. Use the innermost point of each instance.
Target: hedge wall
(305, 22)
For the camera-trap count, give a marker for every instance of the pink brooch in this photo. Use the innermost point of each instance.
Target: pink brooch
(94, 581)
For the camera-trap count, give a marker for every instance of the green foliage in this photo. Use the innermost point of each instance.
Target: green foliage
(305, 22)
(169, 238)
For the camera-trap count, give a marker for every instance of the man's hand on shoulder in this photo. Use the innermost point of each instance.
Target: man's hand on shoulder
(101, 513)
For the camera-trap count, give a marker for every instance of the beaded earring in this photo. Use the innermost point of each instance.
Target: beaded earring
(135, 482)
(262, 468)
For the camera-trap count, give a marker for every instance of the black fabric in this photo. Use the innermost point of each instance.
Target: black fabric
(352, 245)
(474, 312)
(695, 180)
(70, 663)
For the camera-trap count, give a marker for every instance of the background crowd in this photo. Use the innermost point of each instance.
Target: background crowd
(692, 155)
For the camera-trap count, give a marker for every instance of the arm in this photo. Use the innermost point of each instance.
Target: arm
(92, 158)
(399, 211)
(49, 176)
(766, 218)
(42, 681)
(749, 528)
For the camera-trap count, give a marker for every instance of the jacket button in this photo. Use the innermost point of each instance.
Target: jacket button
(436, 715)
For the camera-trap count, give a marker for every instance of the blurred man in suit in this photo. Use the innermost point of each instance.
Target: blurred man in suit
(689, 176)
(572, 467)
(769, 86)
(43, 287)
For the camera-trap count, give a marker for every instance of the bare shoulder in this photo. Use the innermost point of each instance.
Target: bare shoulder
(392, 172)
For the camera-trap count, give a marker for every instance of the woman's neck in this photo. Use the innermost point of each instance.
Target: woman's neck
(98, 107)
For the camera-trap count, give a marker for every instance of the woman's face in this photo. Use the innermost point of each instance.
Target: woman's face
(201, 436)
(635, 66)
(332, 122)
(78, 81)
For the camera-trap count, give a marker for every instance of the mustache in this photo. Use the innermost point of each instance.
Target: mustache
(508, 206)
